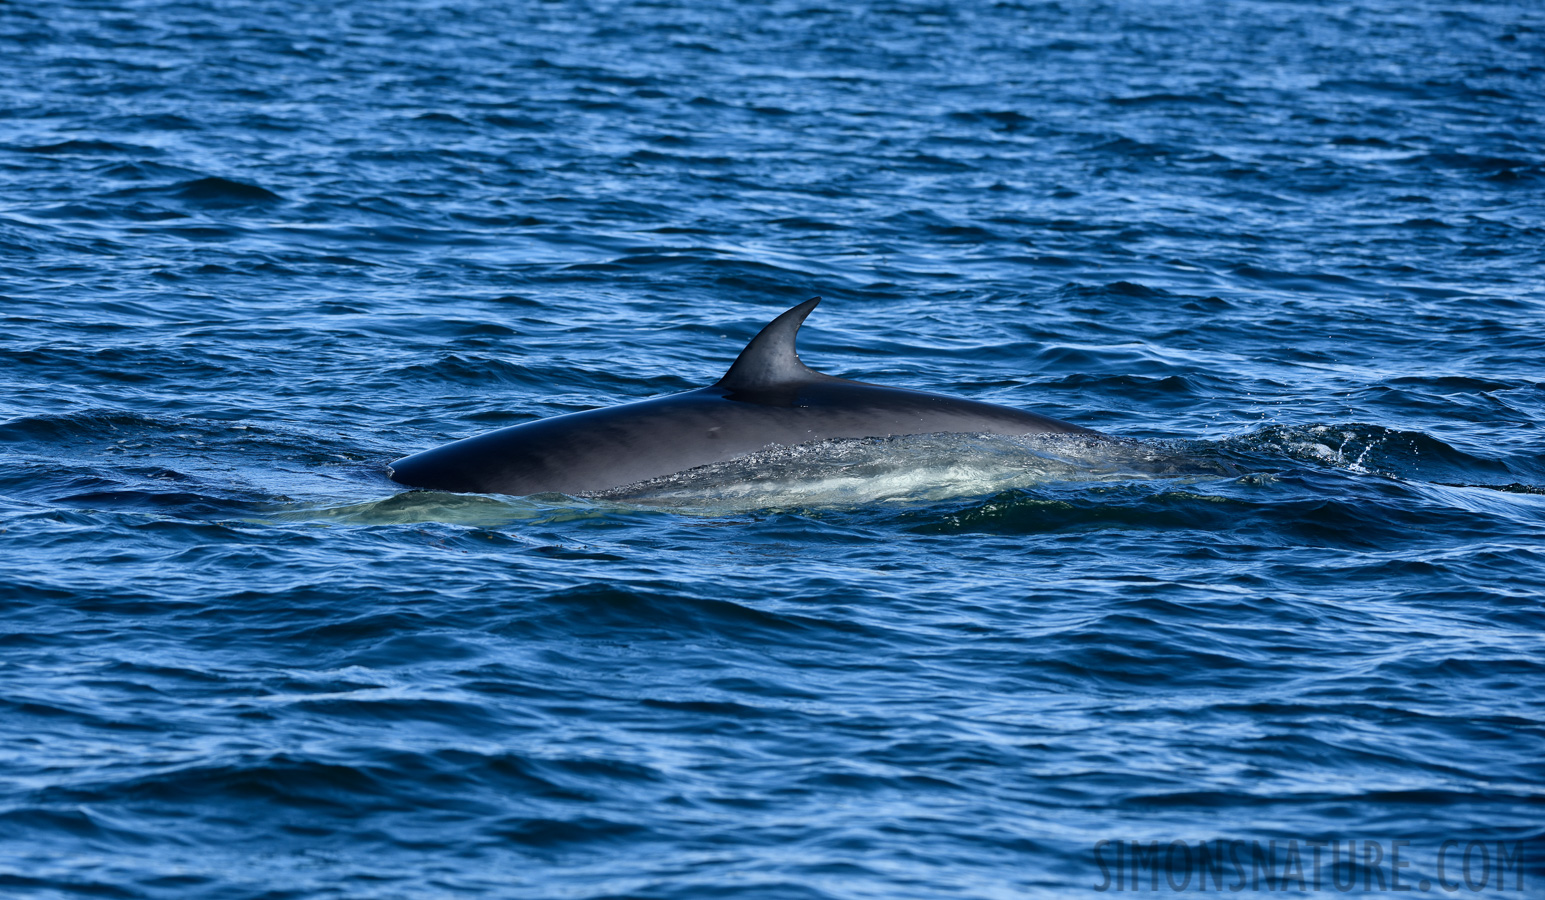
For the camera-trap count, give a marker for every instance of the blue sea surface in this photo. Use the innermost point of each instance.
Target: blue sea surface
(252, 252)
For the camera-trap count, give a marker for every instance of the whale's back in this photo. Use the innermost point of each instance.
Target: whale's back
(767, 398)
(604, 448)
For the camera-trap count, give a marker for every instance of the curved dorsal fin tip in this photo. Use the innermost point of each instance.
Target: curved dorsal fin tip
(771, 358)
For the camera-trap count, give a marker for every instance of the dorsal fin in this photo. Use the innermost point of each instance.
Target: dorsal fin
(770, 359)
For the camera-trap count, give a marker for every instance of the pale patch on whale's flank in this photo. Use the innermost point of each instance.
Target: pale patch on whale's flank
(908, 469)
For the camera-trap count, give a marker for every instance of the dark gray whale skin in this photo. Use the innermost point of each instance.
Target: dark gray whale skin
(768, 397)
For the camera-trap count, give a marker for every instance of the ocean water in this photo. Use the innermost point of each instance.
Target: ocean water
(1293, 254)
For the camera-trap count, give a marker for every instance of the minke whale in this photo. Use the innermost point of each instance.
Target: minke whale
(768, 397)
